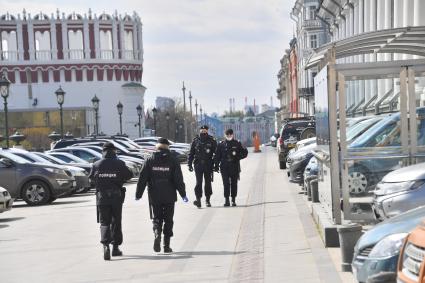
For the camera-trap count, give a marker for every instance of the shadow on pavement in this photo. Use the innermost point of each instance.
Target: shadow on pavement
(251, 205)
(209, 253)
(10, 219)
(177, 255)
(3, 226)
(60, 202)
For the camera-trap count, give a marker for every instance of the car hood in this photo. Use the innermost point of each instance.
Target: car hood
(403, 223)
(304, 151)
(409, 173)
(44, 165)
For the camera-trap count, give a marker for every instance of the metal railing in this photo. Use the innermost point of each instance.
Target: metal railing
(106, 54)
(76, 54)
(128, 54)
(9, 56)
(43, 55)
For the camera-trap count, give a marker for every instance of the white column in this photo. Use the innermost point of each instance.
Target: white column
(31, 40)
(419, 13)
(97, 38)
(140, 40)
(408, 16)
(380, 21)
(372, 27)
(86, 39)
(387, 25)
(115, 38)
(65, 39)
(19, 39)
(398, 22)
(122, 38)
(135, 41)
(53, 39)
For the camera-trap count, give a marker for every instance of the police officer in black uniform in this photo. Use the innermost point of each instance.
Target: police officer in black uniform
(229, 153)
(201, 155)
(163, 175)
(109, 175)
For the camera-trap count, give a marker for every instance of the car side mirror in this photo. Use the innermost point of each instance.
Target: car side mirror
(6, 162)
(92, 160)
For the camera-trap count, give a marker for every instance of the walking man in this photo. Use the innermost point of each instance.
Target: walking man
(109, 175)
(227, 160)
(163, 175)
(201, 156)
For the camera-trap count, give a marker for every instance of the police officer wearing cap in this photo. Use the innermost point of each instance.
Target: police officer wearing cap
(201, 156)
(229, 153)
(163, 175)
(109, 175)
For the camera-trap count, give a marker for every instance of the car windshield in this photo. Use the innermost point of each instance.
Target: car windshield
(384, 133)
(13, 157)
(358, 128)
(52, 159)
(31, 157)
(68, 158)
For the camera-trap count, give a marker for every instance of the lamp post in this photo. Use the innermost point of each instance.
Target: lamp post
(154, 110)
(4, 91)
(60, 96)
(191, 113)
(95, 102)
(184, 113)
(200, 110)
(139, 113)
(120, 108)
(167, 117)
(196, 113)
(177, 129)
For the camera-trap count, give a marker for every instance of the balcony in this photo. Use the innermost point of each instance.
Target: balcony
(106, 54)
(43, 55)
(128, 54)
(9, 56)
(76, 54)
(311, 24)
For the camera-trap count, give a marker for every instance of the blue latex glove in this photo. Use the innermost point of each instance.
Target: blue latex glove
(185, 199)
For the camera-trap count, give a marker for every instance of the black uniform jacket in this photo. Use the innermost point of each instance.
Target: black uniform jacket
(163, 175)
(109, 175)
(202, 151)
(228, 155)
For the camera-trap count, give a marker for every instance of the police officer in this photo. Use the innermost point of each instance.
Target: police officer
(109, 175)
(229, 153)
(163, 175)
(201, 155)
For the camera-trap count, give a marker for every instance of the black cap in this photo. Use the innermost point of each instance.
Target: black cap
(108, 145)
(229, 132)
(163, 141)
(204, 127)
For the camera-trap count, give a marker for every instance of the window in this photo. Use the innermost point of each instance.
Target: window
(83, 155)
(313, 41)
(312, 12)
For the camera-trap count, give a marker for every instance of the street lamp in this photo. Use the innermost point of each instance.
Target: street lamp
(119, 108)
(139, 113)
(95, 102)
(196, 113)
(191, 113)
(184, 113)
(4, 91)
(154, 110)
(167, 117)
(200, 110)
(60, 96)
(177, 129)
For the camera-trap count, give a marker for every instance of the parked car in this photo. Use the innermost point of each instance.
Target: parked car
(82, 183)
(298, 163)
(411, 262)
(36, 184)
(292, 131)
(6, 200)
(360, 127)
(311, 171)
(377, 251)
(366, 173)
(400, 190)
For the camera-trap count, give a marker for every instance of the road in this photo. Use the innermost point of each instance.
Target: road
(269, 237)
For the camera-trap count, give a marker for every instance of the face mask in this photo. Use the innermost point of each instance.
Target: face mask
(229, 138)
(203, 135)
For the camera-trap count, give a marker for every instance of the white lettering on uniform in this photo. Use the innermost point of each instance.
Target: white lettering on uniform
(163, 169)
(107, 175)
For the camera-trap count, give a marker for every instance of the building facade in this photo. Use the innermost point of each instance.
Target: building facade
(86, 55)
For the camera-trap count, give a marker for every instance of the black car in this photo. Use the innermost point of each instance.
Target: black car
(299, 161)
(292, 131)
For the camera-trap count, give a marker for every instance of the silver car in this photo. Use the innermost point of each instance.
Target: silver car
(399, 191)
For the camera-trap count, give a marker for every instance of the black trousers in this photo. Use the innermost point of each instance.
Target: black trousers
(230, 184)
(203, 172)
(163, 219)
(110, 224)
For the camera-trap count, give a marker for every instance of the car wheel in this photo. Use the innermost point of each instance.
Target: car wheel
(36, 193)
(357, 182)
(308, 133)
(52, 199)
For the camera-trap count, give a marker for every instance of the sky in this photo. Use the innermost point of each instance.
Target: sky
(221, 49)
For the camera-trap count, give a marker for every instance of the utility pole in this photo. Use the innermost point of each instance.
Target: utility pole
(184, 113)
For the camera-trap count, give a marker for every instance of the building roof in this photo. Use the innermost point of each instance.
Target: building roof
(133, 84)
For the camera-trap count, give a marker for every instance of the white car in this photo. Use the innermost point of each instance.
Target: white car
(6, 201)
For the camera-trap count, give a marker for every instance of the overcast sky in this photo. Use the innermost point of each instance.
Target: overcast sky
(220, 48)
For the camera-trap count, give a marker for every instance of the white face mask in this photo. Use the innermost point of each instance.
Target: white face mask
(229, 138)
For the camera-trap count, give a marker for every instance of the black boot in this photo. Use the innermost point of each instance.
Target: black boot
(116, 251)
(106, 252)
(233, 201)
(157, 243)
(226, 202)
(167, 248)
(207, 202)
(197, 202)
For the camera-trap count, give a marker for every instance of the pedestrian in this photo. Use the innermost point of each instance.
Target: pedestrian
(163, 175)
(201, 156)
(109, 175)
(227, 159)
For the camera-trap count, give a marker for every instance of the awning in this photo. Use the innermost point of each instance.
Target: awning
(407, 40)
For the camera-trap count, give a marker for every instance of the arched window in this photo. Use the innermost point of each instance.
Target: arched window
(106, 44)
(9, 46)
(128, 43)
(76, 45)
(42, 45)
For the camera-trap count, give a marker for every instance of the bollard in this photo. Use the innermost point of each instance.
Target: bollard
(314, 187)
(348, 236)
(309, 192)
